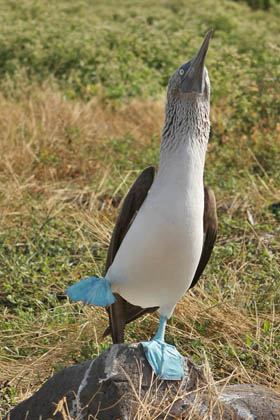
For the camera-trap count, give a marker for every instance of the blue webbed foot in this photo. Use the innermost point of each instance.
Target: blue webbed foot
(164, 359)
(92, 290)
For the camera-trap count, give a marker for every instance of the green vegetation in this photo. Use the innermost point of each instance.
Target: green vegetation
(82, 104)
(261, 4)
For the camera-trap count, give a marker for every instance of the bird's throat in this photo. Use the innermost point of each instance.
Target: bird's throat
(186, 125)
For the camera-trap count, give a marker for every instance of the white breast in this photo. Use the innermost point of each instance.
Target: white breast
(159, 255)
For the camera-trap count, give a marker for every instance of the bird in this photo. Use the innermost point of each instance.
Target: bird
(167, 225)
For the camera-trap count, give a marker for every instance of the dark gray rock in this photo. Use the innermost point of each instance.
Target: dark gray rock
(120, 384)
(253, 402)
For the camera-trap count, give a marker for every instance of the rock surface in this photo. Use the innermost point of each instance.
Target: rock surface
(119, 384)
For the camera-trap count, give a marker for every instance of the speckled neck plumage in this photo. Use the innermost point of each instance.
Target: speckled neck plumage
(186, 124)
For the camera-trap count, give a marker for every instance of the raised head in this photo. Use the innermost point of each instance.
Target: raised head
(191, 79)
(188, 102)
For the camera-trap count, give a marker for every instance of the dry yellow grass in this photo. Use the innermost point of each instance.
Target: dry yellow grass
(45, 142)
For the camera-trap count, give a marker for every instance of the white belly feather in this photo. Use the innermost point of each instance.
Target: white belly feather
(158, 257)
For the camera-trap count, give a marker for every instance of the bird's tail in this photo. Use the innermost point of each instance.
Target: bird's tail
(92, 290)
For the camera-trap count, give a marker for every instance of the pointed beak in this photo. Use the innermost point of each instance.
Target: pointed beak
(193, 80)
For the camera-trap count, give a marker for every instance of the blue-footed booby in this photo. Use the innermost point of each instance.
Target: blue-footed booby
(167, 225)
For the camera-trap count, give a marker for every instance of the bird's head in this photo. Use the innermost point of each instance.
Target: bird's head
(190, 82)
(188, 102)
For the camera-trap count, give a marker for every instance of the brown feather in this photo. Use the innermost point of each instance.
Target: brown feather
(210, 227)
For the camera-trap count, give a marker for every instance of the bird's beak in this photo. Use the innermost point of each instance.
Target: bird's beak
(193, 80)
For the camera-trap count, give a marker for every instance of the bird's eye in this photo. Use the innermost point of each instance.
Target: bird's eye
(181, 72)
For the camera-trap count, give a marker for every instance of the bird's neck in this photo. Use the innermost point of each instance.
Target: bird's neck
(186, 128)
(184, 143)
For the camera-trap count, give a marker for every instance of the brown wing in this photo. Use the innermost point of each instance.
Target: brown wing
(122, 312)
(210, 227)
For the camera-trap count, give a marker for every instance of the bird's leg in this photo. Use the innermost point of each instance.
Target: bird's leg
(164, 359)
(93, 290)
(161, 329)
